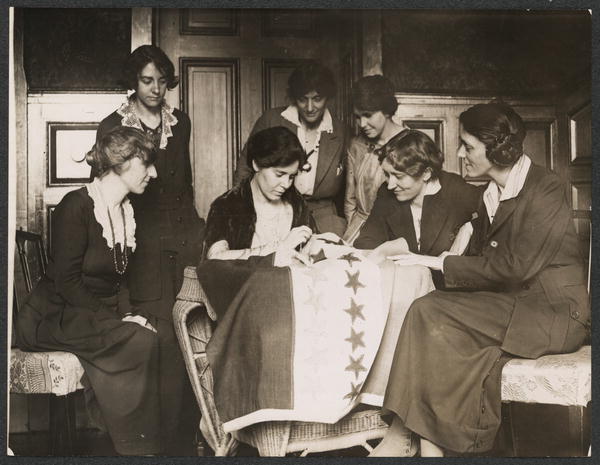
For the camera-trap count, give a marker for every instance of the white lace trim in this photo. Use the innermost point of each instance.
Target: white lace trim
(131, 119)
(101, 215)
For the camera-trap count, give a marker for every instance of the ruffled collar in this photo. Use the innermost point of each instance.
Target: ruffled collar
(131, 119)
(101, 215)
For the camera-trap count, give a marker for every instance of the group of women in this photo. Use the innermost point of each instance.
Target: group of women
(504, 258)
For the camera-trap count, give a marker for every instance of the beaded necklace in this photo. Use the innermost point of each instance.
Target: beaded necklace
(124, 261)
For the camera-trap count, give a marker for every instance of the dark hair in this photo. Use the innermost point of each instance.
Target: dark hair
(374, 93)
(117, 147)
(309, 77)
(277, 146)
(143, 55)
(499, 128)
(412, 152)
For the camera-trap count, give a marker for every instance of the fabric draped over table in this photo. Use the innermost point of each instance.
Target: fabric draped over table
(298, 343)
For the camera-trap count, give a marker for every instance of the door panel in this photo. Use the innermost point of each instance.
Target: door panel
(256, 50)
(211, 90)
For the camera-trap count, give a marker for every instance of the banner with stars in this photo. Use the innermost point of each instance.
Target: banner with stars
(337, 318)
(339, 321)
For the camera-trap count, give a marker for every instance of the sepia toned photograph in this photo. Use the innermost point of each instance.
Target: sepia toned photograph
(334, 232)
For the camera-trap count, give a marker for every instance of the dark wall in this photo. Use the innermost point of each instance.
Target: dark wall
(483, 52)
(75, 49)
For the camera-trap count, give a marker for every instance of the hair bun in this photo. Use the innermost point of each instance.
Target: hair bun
(93, 159)
(507, 150)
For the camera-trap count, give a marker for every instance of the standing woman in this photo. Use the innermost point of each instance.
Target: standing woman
(80, 305)
(520, 292)
(374, 105)
(169, 234)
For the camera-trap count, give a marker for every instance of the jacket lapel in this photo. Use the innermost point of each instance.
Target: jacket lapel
(507, 207)
(433, 219)
(329, 145)
(401, 225)
(504, 212)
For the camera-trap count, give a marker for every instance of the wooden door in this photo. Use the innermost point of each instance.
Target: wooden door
(234, 64)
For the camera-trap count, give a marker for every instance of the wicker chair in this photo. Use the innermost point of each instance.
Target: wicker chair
(193, 317)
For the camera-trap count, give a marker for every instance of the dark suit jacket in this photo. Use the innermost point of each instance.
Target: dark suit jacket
(443, 215)
(330, 177)
(530, 251)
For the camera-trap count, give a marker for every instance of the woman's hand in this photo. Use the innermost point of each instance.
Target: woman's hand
(387, 249)
(140, 320)
(408, 259)
(297, 236)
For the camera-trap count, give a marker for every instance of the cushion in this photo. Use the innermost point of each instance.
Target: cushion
(56, 373)
(564, 379)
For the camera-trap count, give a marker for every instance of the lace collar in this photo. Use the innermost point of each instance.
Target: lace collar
(131, 119)
(101, 215)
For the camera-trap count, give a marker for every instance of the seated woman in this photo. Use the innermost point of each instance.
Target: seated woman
(421, 207)
(265, 213)
(81, 305)
(520, 292)
(374, 105)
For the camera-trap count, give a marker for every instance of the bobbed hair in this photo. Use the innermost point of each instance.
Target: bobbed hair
(308, 77)
(412, 152)
(499, 128)
(119, 145)
(276, 146)
(143, 55)
(374, 93)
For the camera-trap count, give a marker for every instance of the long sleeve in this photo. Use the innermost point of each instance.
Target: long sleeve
(350, 196)
(537, 232)
(184, 120)
(69, 244)
(374, 231)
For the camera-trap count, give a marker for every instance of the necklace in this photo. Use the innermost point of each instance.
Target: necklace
(124, 262)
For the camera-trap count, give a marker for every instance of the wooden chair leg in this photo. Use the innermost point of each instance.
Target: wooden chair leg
(579, 429)
(62, 425)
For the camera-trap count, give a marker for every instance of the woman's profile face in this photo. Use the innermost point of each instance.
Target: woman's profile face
(404, 186)
(371, 123)
(473, 151)
(151, 86)
(136, 175)
(275, 180)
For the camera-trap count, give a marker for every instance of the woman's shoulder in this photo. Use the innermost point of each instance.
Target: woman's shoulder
(181, 116)
(112, 120)
(74, 202)
(359, 145)
(234, 200)
(541, 178)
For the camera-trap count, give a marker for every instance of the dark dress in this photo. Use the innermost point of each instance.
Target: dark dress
(522, 292)
(232, 216)
(169, 237)
(77, 307)
(442, 216)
